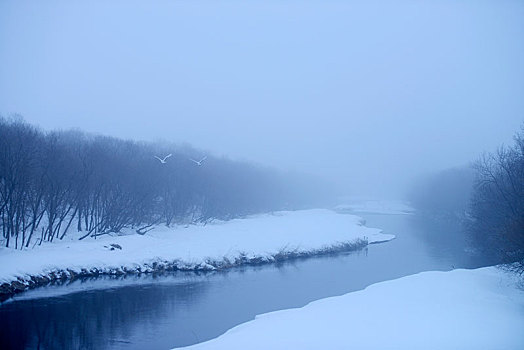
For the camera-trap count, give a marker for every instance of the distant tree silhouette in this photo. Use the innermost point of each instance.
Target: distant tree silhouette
(444, 194)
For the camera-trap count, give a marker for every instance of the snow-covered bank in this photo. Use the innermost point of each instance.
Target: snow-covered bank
(257, 239)
(460, 309)
(374, 206)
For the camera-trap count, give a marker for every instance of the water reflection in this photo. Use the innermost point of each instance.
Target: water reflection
(447, 240)
(95, 319)
(177, 309)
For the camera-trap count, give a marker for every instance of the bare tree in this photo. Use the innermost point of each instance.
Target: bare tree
(497, 204)
(50, 182)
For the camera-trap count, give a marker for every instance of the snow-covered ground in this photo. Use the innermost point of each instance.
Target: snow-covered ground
(261, 238)
(375, 206)
(460, 309)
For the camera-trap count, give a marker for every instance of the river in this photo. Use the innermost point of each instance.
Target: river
(177, 309)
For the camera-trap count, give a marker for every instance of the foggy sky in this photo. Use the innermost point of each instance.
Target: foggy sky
(369, 94)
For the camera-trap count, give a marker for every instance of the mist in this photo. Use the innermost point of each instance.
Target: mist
(368, 95)
(262, 174)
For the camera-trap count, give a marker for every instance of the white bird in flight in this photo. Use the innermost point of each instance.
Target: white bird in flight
(198, 162)
(163, 161)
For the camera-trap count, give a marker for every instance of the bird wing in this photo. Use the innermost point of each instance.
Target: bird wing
(201, 160)
(159, 159)
(191, 159)
(169, 155)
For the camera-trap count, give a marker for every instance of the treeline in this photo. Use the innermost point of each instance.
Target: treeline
(444, 195)
(488, 198)
(497, 204)
(55, 182)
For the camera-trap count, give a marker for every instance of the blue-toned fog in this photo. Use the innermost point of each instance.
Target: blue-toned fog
(368, 94)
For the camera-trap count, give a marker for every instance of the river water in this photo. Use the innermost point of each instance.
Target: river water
(178, 309)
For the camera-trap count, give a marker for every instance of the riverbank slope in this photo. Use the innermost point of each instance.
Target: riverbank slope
(459, 309)
(253, 240)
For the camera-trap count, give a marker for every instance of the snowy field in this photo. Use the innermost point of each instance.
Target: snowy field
(257, 239)
(461, 309)
(374, 206)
